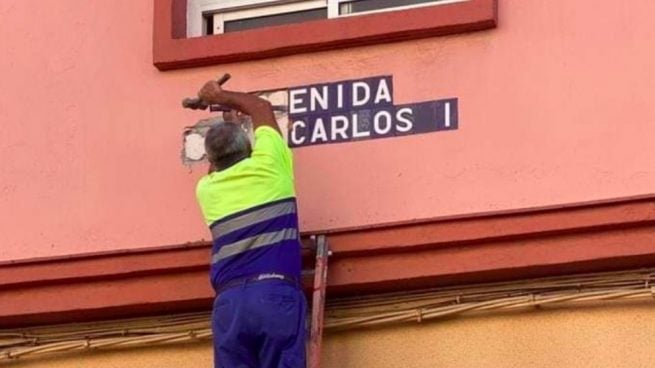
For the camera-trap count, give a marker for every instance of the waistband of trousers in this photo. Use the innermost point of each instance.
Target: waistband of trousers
(256, 278)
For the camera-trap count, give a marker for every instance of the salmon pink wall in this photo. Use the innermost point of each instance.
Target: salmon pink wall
(555, 106)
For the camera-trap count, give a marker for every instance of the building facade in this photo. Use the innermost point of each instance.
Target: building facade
(438, 145)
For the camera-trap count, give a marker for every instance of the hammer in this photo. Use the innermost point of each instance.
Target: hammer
(195, 103)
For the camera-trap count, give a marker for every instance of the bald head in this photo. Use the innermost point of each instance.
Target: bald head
(226, 144)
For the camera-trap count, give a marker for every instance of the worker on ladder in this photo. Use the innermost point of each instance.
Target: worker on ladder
(248, 201)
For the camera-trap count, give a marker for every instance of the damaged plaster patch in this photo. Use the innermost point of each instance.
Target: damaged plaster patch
(193, 142)
(193, 137)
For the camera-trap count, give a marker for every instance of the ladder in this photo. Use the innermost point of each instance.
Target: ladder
(320, 244)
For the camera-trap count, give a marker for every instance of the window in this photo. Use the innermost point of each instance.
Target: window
(208, 17)
(240, 30)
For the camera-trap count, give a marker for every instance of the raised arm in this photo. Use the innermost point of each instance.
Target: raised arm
(260, 110)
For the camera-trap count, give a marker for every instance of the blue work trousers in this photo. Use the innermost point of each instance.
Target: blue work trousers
(260, 325)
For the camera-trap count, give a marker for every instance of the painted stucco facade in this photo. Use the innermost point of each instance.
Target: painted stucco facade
(555, 108)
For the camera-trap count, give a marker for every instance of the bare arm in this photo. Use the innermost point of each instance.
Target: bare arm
(259, 109)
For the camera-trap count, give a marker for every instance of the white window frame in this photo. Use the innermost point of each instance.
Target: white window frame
(229, 10)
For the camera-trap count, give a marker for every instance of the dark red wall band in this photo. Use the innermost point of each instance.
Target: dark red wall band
(589, 237)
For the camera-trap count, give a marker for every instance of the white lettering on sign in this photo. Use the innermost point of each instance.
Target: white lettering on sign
(319, 131)
(404, 117)
(361, 109)
(383, 94)
(295, 101)
(446, 113)
(373, 92)
(339, 127)
(383, 117)
(319, 98)
(361, 94)
(339, 96)
(295, 140)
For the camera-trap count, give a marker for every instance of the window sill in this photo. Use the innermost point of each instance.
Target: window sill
(171, 50)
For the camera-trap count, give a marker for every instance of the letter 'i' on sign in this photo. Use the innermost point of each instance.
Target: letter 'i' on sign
(446, 114)
(361, 109)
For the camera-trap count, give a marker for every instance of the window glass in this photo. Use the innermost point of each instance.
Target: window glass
(359, 6)
(274, 20)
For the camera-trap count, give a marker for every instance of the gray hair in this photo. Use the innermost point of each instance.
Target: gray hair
(226, 144)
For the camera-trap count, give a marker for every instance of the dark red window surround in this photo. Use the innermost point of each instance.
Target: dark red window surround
(172, 50)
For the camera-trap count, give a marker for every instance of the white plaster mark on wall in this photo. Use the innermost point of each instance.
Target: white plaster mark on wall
(194, 146)
(447, 114)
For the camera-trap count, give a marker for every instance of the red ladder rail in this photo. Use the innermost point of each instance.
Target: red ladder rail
(318, 301)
